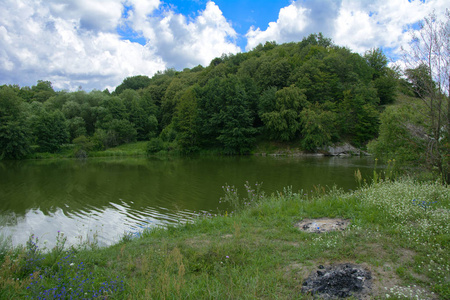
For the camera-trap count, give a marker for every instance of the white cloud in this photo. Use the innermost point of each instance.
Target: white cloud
(359, 25)
(183, 42)
(380, 23)
(72, 44)
(291, 21)
(99, 15)
(75, 42)
(296, 21)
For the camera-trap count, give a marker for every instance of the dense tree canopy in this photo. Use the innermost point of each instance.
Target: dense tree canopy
(15, 134)
(313, 92)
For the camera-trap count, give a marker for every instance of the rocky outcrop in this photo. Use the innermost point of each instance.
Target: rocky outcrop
(343, 150)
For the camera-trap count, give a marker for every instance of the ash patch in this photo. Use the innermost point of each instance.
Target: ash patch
(338, 281)
(322, 225)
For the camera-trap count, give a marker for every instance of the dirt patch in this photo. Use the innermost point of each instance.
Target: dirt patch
(339, 281)
(322, 225)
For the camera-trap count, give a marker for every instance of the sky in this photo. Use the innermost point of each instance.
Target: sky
(95, 44)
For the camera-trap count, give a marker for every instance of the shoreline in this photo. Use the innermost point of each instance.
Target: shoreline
(258, 252)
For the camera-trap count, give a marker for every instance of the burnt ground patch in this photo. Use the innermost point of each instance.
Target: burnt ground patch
(338, 281)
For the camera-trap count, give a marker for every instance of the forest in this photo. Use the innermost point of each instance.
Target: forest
(312, 93)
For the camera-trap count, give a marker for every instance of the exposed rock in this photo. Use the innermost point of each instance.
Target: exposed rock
(344, 149)
(338, 281)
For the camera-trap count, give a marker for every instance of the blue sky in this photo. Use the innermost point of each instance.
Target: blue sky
(97, 43)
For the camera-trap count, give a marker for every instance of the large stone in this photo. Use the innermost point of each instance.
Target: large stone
(343, 149)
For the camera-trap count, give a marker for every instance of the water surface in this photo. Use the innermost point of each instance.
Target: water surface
(108, 197)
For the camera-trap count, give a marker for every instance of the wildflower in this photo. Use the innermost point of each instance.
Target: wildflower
(227, 256)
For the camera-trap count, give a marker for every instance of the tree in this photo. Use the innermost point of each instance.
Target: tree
(185, 121)
(402, 135)
(43, 90)
(359, 118)
(76, 127)
(318, 126)
(428, 69)
(50, 131)
(283, 123)
(377, 61)
(133, 83)
(383, 77)
(115, 133)
(15, 135)
(225, 115)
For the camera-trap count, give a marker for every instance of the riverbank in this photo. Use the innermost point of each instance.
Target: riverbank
(398, 232)
(264, 148)
(68, 151)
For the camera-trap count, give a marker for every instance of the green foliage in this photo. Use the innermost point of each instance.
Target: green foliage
(168, 134)
(76, 127)
(237, 98)
(141, 114)
(50, 130)
(233, 198)
(158, 145)
(226, 119)
(119, 132)
(318, 127)
(267, 101)
(273, 73)
(377, 61)
(358, 115)
(421, 81)
(71, 109)
(384, 78)
(15, 135)
(42, 91)
(386, 88)
(402, 135)
(115, 109)
(155, 145)
(133, 83)
(83, 145)
(169, 102)
(283, 123)
(318, 83)
(186, 122)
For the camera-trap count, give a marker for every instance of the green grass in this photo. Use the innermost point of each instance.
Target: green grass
(273, 147)
(399, 230)
(131, 149)
(67, 151)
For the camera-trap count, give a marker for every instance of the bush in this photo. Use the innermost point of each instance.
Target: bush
(83, 145)
(155, 145)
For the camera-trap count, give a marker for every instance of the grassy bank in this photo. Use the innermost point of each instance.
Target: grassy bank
(68, 151)
(140, 149)
(399, 230)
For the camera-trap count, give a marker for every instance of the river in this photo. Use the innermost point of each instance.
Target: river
(101, 199)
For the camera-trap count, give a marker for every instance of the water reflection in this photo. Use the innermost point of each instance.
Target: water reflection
(108, 197)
